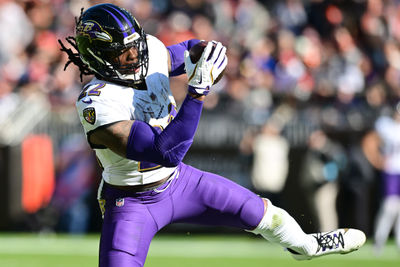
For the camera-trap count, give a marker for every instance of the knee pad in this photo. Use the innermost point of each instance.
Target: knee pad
(252, 212)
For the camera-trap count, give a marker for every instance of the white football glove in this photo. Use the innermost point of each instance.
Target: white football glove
(202, 74)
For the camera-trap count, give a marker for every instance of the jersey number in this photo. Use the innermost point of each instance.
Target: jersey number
(95, 91)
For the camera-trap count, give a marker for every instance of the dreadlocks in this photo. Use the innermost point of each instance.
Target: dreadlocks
(73, 57)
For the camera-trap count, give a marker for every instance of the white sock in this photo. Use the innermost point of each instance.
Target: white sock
(385, 220)
(279, 227)
(397, 227)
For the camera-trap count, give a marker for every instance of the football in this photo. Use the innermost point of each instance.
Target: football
(195, 53)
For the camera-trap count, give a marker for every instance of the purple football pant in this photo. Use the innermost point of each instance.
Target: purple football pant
(391, 184)
(193, 196)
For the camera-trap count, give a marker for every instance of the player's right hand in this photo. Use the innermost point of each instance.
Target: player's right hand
(201, 75)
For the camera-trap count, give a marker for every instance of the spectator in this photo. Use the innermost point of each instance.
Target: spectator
(16, 30)
(270, 161)
(323, 163)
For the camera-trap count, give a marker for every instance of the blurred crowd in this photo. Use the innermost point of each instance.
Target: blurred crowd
(332, 51)
(308, 74)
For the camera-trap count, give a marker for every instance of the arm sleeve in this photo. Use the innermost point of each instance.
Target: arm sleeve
(168, 147)
(177, 57)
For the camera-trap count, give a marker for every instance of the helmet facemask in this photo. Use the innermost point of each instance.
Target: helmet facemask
(135, 72)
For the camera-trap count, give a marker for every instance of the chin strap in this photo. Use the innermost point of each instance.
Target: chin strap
(129, 83)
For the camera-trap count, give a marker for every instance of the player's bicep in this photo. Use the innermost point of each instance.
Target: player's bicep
(113, 136)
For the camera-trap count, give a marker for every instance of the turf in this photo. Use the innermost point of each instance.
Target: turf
(181, 250)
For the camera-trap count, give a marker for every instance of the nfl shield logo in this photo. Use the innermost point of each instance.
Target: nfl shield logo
(119, 202)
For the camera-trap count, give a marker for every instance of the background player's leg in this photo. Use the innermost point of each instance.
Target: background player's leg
(388, 211)
(385, 220)
(397, 226)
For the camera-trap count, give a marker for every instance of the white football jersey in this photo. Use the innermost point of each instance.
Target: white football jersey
(102, 103)
(388, 130)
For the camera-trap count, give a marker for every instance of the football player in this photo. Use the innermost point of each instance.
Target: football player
(140, 138)
(381, 147)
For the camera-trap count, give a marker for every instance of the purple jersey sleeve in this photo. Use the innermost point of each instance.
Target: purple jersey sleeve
(177, 58)
(169, 147)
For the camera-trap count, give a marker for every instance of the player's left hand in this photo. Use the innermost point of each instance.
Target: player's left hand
(201, 75)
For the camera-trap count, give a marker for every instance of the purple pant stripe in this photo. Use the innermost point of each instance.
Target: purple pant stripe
(193, 197)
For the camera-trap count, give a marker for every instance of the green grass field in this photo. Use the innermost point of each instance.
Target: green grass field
(17, 250)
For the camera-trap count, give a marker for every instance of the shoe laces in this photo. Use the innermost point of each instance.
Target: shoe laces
(329, 240)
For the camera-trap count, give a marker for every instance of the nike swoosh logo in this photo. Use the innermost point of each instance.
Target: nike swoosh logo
(201, 77)
(87, 101)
